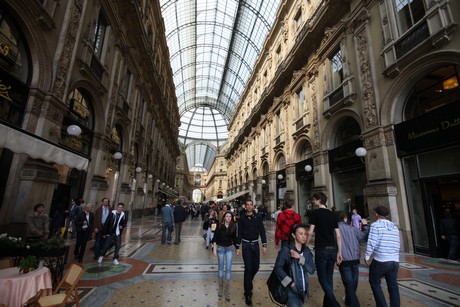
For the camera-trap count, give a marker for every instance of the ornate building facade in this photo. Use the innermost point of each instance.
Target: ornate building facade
(78, 66)
(336, 76)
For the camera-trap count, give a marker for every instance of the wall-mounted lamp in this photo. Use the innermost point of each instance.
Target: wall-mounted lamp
(280, 177)
(138, 169)
(361, 152)
(263, 181)
(163, 184)
(150, 176)
(158, 180)
(74, 130)
(308, 168)
(117, 155)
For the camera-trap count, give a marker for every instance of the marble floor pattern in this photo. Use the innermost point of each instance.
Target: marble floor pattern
(151, 274)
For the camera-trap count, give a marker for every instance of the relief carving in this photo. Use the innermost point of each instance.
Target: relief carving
(64, 61)
(368, 98)
(314, 102)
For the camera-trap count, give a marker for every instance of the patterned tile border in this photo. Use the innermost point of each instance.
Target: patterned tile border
(448, 297)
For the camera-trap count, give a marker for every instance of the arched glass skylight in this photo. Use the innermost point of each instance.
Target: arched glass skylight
(213, 46)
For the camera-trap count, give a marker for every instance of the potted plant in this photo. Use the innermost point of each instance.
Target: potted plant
(50, 247)
(27, 263)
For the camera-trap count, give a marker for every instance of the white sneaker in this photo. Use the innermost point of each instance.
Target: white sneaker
(100, 259)
(115, 261)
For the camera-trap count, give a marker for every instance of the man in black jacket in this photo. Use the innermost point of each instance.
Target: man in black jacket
(111, 232)
(250, 226)
(84, 223)
(180, 215)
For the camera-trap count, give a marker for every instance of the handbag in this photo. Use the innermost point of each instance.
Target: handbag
(277, 292)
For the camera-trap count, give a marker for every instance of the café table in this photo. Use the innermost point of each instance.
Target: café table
(17, 288)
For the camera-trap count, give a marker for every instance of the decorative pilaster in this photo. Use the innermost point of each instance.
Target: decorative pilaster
(366, 79)
(63, 64)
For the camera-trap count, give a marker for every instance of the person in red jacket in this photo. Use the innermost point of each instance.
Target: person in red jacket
(286, 219)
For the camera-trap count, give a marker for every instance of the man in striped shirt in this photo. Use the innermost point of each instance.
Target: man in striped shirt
(383, 244)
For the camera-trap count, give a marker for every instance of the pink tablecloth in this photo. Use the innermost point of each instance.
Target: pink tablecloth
(16, 288)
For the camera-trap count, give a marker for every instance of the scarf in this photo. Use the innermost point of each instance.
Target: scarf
(117, 226)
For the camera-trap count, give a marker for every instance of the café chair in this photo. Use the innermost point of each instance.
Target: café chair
(69, 283)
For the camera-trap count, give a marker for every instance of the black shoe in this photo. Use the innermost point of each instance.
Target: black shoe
(248, 301)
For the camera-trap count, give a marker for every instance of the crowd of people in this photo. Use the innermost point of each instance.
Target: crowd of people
(338, 237)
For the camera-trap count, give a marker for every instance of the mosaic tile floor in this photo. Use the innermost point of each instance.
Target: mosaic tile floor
(152, 274)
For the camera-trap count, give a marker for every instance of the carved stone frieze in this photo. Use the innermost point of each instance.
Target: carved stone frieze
(66, 55)
(367, 84)
(314, 102)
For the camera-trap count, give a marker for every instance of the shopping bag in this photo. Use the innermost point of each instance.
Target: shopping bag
(277, 292)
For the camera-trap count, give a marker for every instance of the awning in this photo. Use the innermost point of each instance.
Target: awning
(23, 142)
(233, 196)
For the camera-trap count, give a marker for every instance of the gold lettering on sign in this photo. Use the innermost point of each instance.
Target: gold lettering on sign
(4, 49)
(348, 155)
(448, 124)
(415, 135)
(444, 125)
(4, 91)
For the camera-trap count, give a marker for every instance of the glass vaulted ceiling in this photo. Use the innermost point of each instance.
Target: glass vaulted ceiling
(213, 46)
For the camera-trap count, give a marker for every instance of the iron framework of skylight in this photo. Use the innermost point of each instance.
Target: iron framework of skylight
(213, 46)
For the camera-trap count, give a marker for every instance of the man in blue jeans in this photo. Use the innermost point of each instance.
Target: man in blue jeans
(351, 253)
(328, 244)
(167, 220)
(384, 244)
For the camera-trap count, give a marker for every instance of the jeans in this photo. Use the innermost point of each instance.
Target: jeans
(350, 276)
(294, 299)
(251, 258)
(178, 230)
(116, 240)
(98, 244)
(325, 260)
(453, 247)
(209, 236)
(227, 254)
(166, 226)
(389, 270)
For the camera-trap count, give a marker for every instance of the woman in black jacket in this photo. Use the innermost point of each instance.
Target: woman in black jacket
(292, 265)
(224, 238)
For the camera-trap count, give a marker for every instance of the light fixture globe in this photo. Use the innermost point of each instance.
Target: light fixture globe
(158, 180)
(150, 176)
(280, 177)
(361, 152)
(117, 155)
(74, 130)
(308, 168)
(263, 181)
(138, 169)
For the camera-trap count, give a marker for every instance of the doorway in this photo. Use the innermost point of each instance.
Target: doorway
(439, 195)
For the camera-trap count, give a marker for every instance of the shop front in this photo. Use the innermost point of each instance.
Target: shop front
(349, 178)
(429, 146)
(305, 182)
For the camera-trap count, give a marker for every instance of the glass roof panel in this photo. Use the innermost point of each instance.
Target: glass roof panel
(213, 46)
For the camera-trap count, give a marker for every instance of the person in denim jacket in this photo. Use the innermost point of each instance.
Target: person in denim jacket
(292, 265)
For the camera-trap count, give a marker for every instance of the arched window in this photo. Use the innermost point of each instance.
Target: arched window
(14, 71)
(347, 132)
(436, 89)
(80, 113)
